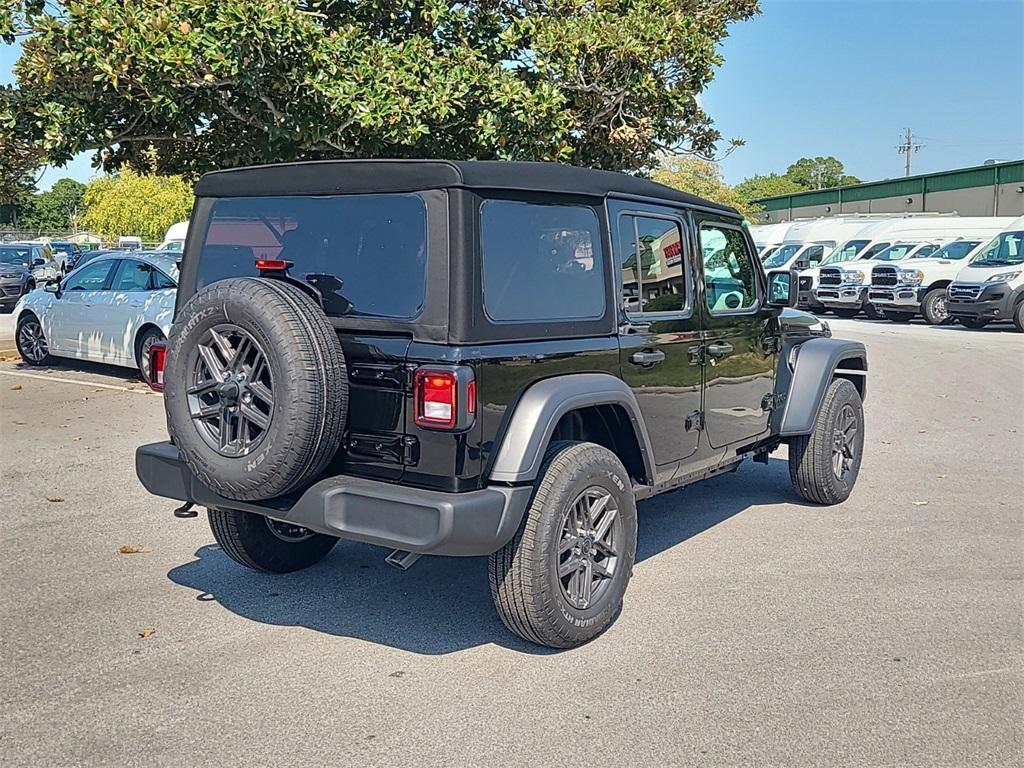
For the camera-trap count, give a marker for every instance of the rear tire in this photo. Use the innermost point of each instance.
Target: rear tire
(935, 307)
(1018, 317)
(973, 322)
(266, 545)
(560, 581)
(823, 466)
(898, 317)
(142, 345)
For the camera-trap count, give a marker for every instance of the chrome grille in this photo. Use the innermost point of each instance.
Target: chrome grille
(964, 291)
(885, 277)
(831, 277)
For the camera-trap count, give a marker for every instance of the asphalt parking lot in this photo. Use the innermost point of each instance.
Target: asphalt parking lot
(757, 630)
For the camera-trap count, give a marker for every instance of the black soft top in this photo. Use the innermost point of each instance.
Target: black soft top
(331, 177)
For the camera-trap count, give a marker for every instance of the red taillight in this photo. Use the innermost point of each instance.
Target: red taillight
(271, 265)
(471, 397)
(157, 356)
(436, 399)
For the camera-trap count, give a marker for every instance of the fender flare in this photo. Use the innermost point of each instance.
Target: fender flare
(817, 363)
(537, 412)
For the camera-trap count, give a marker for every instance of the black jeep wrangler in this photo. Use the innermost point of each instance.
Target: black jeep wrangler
(482, 358)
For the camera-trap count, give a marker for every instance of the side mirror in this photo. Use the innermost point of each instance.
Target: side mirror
(53, 287)
(782, 288)
(38, 262)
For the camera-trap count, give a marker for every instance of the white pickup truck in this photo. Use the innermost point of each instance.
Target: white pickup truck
(902, 291)
(991, 287)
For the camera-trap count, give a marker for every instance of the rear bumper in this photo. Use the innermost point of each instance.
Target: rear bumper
(430, 522)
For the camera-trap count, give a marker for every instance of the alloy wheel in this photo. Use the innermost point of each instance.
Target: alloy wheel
(231, 396)
(588, 548)
(844, 442)
(32, 342)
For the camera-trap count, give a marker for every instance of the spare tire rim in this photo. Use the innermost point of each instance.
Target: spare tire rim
(844, 442)
(588, 547)
(231, 391)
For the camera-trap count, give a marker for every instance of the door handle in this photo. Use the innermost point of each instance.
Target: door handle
(720, 349)
(647, 357)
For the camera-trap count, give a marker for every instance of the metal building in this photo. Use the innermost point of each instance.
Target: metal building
(984, 190)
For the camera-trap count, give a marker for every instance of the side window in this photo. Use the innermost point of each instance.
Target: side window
(160, 281)
(814, 255)
(875, 250)
(652, 264)
(927, 250)
(730, 280)
(132, 276)
(91, 277)
(541, 262)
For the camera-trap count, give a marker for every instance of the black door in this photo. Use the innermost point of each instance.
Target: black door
(659, 330)
(740, 335)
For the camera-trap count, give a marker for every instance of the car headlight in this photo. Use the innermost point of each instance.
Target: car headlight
(853, 276)
(8, 275)
(911, 276)
(1004, 277)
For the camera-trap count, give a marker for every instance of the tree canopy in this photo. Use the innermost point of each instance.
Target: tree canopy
(805, 174)
(604, 83)
(702, 178)
(59, 209)
(135, 203)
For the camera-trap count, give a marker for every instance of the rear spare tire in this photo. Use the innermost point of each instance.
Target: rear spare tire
(255, 387)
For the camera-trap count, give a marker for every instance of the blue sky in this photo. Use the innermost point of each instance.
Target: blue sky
(844, 78)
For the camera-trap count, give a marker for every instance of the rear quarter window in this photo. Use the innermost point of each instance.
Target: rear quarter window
(366, 254)
(541, 262)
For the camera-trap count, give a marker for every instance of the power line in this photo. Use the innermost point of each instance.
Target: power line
(908, 147)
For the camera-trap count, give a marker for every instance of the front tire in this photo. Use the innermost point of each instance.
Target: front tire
(266, 545)
(847, 314)
(872, 312)
(560, 581)
(823, 466)
(1018, 317)
(935, 307)
(30, 341)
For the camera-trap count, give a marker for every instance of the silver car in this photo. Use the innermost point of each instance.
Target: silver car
(109, 310)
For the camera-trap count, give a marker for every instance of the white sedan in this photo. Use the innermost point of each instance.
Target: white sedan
(109, 310)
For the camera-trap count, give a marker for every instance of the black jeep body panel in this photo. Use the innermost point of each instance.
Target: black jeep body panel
(679, 393)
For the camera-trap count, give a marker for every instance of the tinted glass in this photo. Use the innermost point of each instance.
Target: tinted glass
(541, 262)
(132, 276)
(1005, 250)
(781, 256)
(160, 281)
(845, 252)
(813, 255)
(955, 250)
(90, 277)
(730, 283)
(15, 255)
(874, 250)
(651, 263)
(366, 254)
(895, 252)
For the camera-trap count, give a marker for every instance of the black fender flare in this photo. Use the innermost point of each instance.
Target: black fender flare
(818, 362)
(538, 410)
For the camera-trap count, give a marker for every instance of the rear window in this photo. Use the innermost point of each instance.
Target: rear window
(366, 254)
(541, 262)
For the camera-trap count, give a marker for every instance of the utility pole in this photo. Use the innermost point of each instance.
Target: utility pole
(908, 147)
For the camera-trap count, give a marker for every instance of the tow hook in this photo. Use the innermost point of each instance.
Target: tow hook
(401, 559)
(186, 511)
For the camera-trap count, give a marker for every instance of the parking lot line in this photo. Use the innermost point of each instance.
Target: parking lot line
(43, 377)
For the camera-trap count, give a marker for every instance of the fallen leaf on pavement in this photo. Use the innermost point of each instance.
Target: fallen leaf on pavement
(55, 499)
(146, 632)
(132, 549)
(920, 503)
(16, 386)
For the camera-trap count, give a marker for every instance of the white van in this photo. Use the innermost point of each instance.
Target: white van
(768, 237)
(174, 240)
(807, 242)
(901, 291)
(991, 286)
(129, 243)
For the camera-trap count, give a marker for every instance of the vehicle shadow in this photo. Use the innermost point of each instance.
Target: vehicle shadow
(70, 366)
(443, 604)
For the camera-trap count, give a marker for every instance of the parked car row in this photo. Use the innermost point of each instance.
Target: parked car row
(897, 268)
